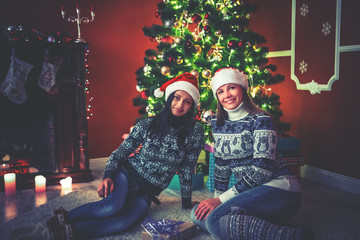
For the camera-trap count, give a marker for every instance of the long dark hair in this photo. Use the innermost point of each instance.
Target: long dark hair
(249, 105)
(165, 119)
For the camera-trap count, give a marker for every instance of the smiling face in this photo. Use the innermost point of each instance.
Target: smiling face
(229, 95)
(181, 103)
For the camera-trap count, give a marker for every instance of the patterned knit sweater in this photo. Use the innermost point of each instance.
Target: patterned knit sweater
(159, 160)
(247, 148)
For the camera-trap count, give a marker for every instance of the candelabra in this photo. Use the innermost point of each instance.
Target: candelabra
(78, 20)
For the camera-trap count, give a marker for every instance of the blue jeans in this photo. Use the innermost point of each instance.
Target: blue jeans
(265, 202)
(115, 213)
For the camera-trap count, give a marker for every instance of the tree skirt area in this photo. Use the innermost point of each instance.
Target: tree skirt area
(170, 208)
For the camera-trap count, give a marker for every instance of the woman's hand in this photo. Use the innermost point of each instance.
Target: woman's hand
(206, 207)
(105, 187)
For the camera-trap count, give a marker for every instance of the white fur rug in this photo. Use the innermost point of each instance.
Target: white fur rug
(170, 208)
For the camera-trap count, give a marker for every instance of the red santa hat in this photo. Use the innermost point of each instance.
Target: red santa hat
(186, 82)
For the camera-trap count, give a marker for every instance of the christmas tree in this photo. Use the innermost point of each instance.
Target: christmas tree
(200, 37)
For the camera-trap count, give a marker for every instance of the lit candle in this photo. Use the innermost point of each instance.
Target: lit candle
(66, 185)
(40, 183)
(77, 8)
(10, 184)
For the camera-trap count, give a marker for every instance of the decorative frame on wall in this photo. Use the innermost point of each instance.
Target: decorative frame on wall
(314, 86)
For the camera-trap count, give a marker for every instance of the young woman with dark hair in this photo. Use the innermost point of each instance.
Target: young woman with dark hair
(170, 142)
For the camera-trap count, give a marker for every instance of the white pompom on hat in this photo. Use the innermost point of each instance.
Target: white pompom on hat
(228, 75)
(186, 82)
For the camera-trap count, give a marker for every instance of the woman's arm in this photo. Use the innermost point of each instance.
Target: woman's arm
(129, 145)
(186, 168)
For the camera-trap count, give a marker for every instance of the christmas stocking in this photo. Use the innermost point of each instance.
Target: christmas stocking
(14, 84)
(47, 79)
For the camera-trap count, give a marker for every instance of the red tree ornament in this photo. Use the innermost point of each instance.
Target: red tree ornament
(232, 44)
(196, 18)
(143, 95)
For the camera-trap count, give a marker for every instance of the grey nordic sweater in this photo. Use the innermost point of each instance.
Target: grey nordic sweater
(159, 160)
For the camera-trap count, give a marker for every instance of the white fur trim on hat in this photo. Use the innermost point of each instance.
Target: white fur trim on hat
(185, 86)
(158, 93)
(226, 76)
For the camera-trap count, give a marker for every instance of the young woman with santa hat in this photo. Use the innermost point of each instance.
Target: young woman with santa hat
(266, 191)
(170, 142)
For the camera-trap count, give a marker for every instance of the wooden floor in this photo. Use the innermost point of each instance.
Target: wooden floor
(332, 213)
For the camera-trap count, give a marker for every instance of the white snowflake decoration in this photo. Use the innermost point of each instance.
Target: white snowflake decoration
(303, 66)
(304, 10)
(326, 28)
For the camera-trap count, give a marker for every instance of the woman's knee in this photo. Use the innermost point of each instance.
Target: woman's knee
(192, 215)
(121, 180)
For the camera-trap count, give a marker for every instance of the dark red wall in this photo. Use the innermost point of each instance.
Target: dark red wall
(117, 45)
(327, 123)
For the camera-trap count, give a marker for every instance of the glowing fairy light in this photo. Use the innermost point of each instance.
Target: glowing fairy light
(87, 85)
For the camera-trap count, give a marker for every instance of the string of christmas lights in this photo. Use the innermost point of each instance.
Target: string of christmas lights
(201, 37)
(89, 98)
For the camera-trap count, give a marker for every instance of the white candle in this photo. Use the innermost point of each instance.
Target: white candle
(10, 184)
(66, 182)
(40, 183)
(66, 185)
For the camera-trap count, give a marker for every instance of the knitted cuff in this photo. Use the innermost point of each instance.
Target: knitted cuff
(108, 174)
(186, 203)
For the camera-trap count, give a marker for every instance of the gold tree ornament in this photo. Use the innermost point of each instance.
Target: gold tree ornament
(165, 70)
(206, 73)
(197, 49)
(177, 24)
(195, 73)
(179, 60)
(177, 40)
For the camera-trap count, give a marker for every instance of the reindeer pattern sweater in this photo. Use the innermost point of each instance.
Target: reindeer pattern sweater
(247, 148)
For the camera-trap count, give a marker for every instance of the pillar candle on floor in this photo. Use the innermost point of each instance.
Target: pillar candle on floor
(66, 185)
(40, 183)
(10, 184)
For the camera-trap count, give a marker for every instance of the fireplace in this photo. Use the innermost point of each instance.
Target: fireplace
(28, 136)
(47, 134)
